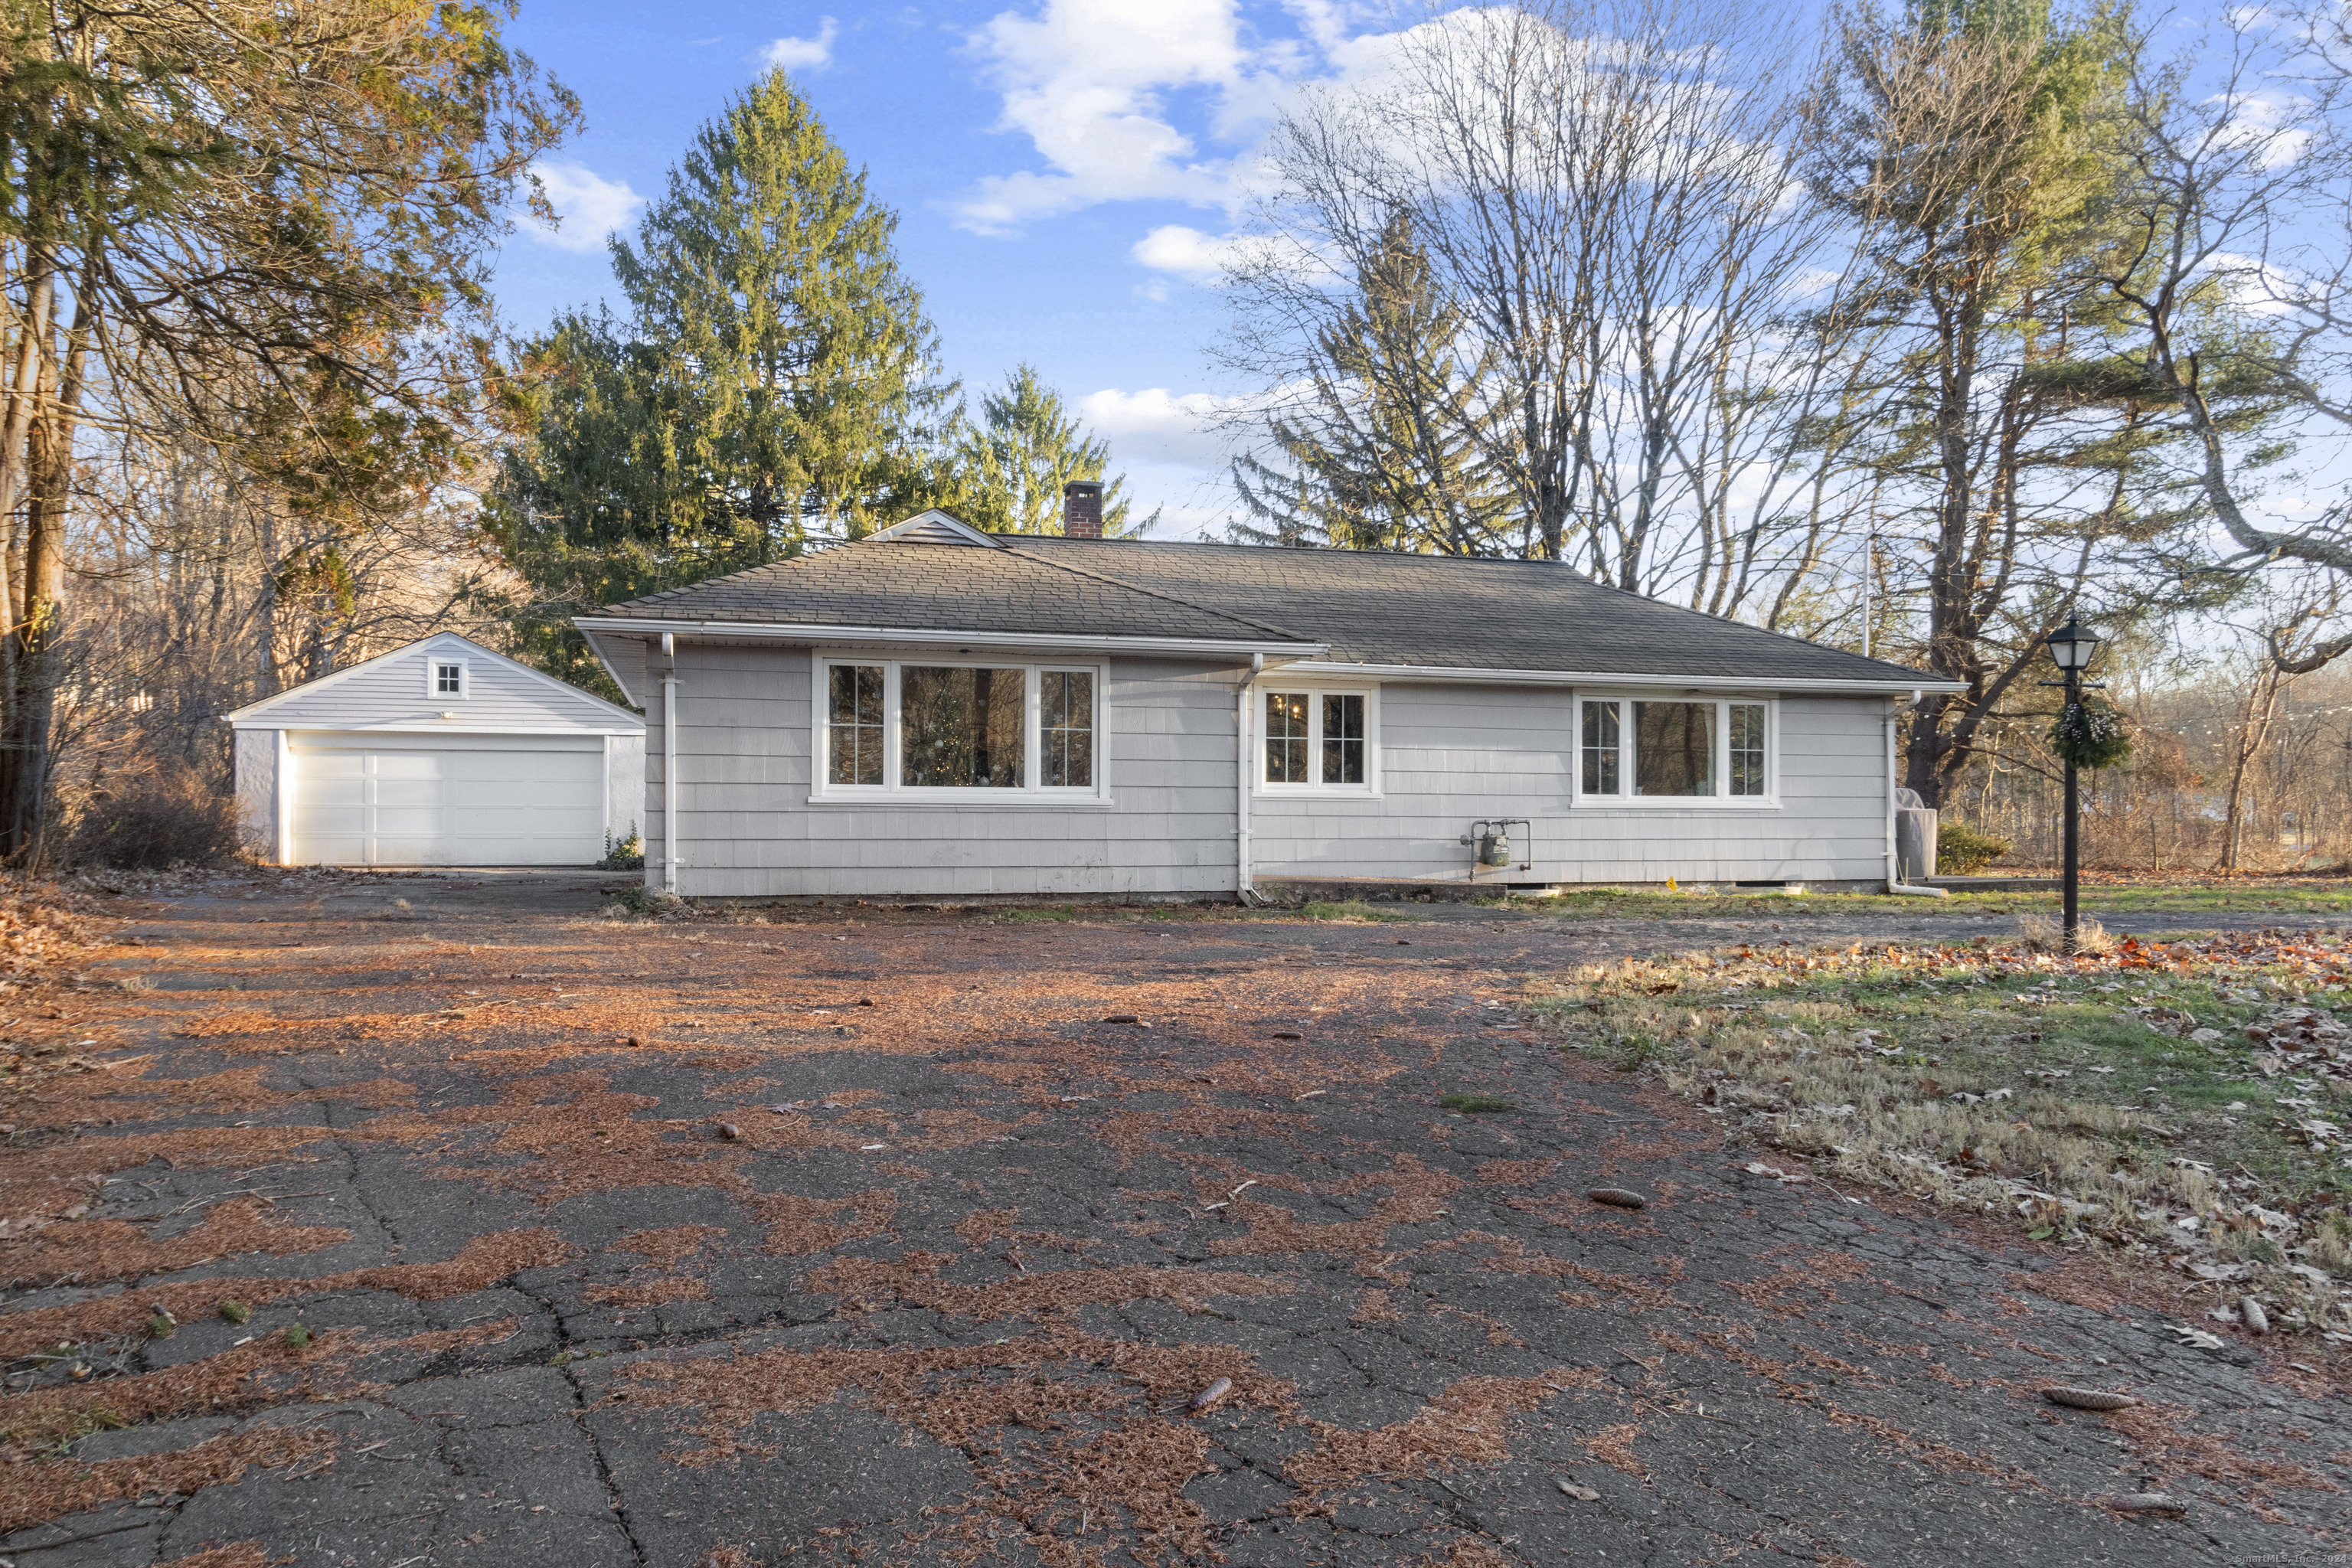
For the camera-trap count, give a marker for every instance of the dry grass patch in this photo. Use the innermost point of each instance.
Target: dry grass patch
(2179, 1101)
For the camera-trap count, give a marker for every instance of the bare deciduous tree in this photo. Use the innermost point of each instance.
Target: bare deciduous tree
(1603, 199)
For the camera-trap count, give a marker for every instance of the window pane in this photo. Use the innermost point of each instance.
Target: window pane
(1600, 752)
(450, 678)
(855, 720)
(1069, 722)
(1747, 757)
(1343, 740)
(1674, 748)
(1286, 737)
(961, 728)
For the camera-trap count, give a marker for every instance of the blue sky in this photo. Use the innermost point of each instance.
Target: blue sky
(1062, 170)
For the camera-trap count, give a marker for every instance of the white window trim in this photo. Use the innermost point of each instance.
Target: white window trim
(433, 678)
(1315, 691)
(892, 793)
(1722, 800)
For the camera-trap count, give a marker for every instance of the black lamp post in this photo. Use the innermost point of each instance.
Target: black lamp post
(2071, 649)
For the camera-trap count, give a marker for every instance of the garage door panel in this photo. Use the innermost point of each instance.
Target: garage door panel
(398, 806)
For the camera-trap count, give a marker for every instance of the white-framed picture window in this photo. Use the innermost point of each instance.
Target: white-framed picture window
(448, 679)
(1676, 751)
(945, 731)
(1318, 739)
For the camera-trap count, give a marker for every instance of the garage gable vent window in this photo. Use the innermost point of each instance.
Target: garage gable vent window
(938, 732)
(1641, 752)
(445, 678)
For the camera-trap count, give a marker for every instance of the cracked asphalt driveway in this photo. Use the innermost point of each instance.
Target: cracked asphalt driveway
(472, 1229)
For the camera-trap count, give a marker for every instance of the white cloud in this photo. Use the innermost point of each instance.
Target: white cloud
(590, 205)
(1157, 426)
(1187, 252)
(803, 54)
(1088, 82)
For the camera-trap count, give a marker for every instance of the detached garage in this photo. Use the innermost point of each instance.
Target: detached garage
(438, 753)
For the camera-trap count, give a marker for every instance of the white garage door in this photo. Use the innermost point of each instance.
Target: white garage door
(519, 801)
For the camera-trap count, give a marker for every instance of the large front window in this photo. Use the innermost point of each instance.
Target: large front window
(1635, 749)
(1316, 741)
(908, 727)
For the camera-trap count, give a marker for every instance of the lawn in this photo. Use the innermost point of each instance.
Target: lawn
(2296, 898)
(2180, 1101)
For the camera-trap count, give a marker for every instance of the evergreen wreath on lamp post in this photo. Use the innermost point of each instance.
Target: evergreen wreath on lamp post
(2090, 734)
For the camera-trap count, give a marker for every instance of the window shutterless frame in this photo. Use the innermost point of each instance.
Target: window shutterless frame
(861, 706)
(448, 679)
(1311, 738)
(1732, 744)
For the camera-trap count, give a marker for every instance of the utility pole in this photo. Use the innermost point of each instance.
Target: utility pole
(1869, 562)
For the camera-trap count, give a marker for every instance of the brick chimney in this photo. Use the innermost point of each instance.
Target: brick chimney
(1082, 509)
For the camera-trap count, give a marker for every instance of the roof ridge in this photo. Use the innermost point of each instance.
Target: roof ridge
(1166, 598)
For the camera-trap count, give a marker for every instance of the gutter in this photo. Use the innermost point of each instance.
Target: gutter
(1893, 685)
(1894, 870)
(669, 766)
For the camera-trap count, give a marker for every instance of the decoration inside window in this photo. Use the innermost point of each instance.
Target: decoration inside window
(1286, 737)
(1319, 739)
(962, 728)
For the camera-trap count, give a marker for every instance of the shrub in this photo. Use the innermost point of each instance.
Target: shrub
(166, 816)
(1960, 853)
(624, 854)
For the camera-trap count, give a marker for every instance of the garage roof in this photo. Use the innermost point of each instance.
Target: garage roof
(395, 692)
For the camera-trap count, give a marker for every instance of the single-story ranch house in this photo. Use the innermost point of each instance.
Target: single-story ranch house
(939, 711)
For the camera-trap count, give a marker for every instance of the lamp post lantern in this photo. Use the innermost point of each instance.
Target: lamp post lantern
(2071, 649)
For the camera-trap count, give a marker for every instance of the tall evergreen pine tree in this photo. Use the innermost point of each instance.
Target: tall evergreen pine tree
(772, 385)
(1013, 464)
(1375, 455)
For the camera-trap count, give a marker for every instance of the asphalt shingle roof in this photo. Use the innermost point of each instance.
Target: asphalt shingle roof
(945, 587)
(1370, 608)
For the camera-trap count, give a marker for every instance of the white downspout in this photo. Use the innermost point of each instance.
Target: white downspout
(1894, 870)
(669, 764)
(282, 799)
(1242, 888)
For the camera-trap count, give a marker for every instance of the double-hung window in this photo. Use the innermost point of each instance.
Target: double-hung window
(1318, 741)
(1674, 752)
(955, 730)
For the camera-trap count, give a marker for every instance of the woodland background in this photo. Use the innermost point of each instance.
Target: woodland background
(1913, 331)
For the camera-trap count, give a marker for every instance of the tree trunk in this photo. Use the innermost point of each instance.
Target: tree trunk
(33, 641)
(2252, 733)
